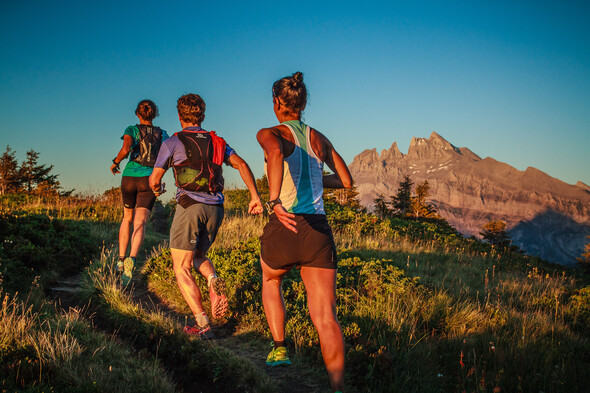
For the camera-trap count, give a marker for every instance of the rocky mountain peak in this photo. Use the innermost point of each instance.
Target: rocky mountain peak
(366, 159)
(546, 216)
(434, 147)
(392, 153)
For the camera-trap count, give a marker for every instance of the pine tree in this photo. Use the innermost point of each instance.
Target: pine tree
(344, 197)
(494, 232)
(402, 201)
(381, 208)
(37, 177)
(584, 259)
(9, 176)
(420, 208)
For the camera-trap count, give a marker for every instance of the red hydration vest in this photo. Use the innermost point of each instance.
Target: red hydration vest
(201, 171)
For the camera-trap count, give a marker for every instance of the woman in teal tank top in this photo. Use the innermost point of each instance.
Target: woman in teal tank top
(298, 233)
(138, 197)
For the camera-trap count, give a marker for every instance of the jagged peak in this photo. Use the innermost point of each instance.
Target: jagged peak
(437, 139)
(393, 152)
(366, 155)
(434, 146)
(434, 135)
(368, 152)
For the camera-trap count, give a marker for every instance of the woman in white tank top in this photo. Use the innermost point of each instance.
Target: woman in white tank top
(298, 233)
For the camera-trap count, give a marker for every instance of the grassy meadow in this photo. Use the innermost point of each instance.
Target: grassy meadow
(422, 308)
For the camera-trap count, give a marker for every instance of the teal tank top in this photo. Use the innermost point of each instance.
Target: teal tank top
(132, 168)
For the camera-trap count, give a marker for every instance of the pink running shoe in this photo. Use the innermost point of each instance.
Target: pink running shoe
(218, 299)
(202, 332)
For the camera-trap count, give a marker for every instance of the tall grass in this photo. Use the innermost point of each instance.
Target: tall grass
(79, 207)
(239, 227)
(41, 351)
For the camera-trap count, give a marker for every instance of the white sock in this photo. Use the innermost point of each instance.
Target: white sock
(211, 277)
(202, 319)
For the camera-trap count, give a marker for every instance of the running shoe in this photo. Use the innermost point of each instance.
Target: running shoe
(202, 332)
(128, 268)
(278, 356)
(218, 298)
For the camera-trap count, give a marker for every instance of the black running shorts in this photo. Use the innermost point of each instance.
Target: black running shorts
(312, 246)
(136, 192)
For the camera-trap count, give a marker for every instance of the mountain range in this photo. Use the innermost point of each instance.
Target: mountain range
(545, 216)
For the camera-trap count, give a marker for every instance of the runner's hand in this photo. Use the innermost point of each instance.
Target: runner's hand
(160, 190)
(115, 169)
(255, 206)
(285, 217)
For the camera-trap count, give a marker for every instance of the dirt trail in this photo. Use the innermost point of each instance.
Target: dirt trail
(298, 378)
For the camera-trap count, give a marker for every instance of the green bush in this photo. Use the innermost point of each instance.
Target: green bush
(578, 309)
(36, 245)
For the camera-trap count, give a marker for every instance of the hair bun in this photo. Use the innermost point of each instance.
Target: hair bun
(292, 92)
(298, 77)
(147, 109)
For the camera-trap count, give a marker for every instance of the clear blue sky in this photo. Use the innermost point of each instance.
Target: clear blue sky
(509, 80)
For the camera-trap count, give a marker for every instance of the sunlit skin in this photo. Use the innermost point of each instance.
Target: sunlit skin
(320, 284)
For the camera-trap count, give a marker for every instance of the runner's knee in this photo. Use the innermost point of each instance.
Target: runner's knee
(182, 269)
(137, 225)
(323, 316)
(198, 260)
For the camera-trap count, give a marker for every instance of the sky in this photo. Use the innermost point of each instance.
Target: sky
(508, 80)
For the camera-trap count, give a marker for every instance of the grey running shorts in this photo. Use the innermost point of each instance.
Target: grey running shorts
(136, 192)
(312, 245)
(195, 227)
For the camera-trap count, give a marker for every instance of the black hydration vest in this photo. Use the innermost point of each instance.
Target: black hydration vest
(201, 171)
(146, 150)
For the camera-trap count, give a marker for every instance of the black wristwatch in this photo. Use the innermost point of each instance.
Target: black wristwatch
(117, 169)
(271, 204)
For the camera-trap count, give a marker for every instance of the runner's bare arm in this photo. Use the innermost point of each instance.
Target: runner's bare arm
(341, 178)
(237, 162)
(127, 141)
(273, 152)
(156, 180)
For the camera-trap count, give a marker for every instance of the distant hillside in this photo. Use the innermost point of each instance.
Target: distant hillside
(546, 217)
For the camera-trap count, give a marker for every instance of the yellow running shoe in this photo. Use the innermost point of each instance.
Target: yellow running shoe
(128, 268)
(278, 356)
